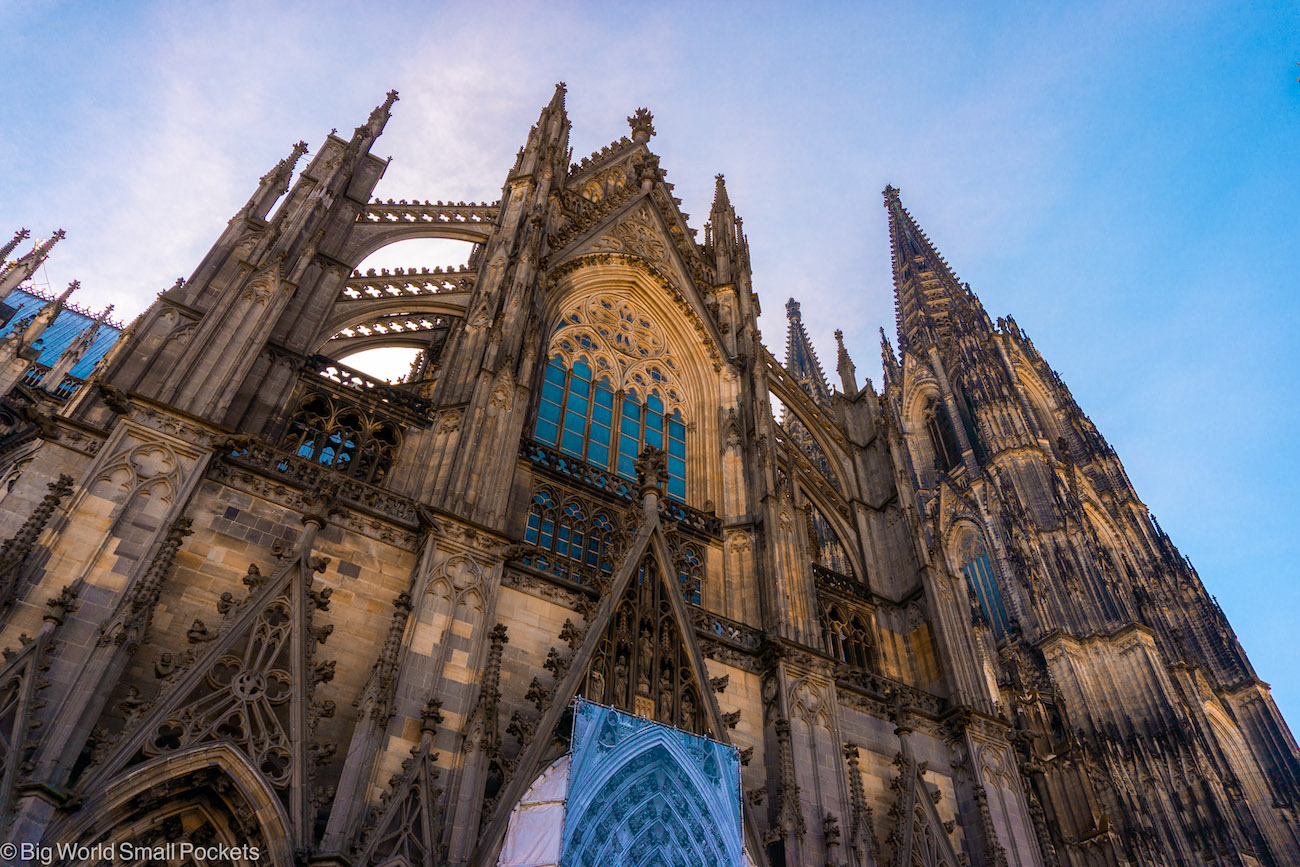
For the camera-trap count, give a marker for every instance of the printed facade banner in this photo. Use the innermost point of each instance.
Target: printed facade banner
(647, 794)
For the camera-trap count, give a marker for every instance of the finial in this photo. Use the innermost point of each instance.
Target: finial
(721, 201)
(792, 309)
(72, 287)
(642, 123)
(19, 236)
(557, 100)
(844, 365)
(379, 117)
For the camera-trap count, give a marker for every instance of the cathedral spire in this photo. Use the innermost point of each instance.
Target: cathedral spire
(844, 366)
(71, 355)
(378, 119)
(801, 359)
(274, 184)
(14, 275)
(722, 230)
(548, 140)
(8, 248)
(930, 304)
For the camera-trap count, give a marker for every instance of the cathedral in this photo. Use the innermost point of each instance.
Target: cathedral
(283, 611)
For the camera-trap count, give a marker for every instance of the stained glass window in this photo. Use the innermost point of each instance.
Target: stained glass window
(576, 415)
(572, 545)
(689, 574)
(979, 575)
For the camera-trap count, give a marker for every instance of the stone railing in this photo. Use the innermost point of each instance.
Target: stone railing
(715, 626)
(885, 688)
(839, 583)
(406, 283)
(307, 474)
(341, 374)
(429, 212)
(604, 481)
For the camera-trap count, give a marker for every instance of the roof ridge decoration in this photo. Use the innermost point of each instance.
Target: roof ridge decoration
(101, 316)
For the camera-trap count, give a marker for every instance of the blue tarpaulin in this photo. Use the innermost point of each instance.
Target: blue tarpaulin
(648, 794)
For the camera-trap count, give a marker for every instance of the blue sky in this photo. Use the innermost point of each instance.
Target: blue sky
(1121, 177)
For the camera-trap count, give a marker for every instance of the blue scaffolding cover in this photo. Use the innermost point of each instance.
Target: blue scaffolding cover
(646, 794)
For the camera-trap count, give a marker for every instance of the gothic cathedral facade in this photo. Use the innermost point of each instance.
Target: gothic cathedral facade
(249, 595)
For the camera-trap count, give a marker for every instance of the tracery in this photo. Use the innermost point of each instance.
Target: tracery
(610, 390)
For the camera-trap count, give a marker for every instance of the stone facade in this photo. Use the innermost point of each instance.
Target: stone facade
(252, 595)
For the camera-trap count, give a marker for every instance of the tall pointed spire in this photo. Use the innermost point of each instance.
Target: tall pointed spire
(378, 119)
(8, 248)
(930, 303)
(274, 184)
(548, 140)
(844, 366)
(71, 355)
(722, 229)
(13, 276)
(801, 358)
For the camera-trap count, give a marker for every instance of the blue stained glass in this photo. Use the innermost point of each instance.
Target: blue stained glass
(979, 573)
(549, 411)
(677, 479)
(547, 432)
(572, 443)
(654, 430)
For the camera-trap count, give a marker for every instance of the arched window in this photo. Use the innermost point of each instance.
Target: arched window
(847, 639)
(576, 415)
(610, 389)
(942, 440)
(689, 573)
(826, 549)
(983, 583)
(570, 544)
(343, 438)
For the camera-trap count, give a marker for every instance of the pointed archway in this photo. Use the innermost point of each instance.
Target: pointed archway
(648, 546)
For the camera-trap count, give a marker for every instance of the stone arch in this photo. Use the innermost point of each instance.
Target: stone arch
(1243, 766)
(689, 359)
(671, 785)
(1043, 407)
(450, 305)
(368, 238)
(929, 429)
(793, 399)
(971, 555)
(841, 528)
(214, 782)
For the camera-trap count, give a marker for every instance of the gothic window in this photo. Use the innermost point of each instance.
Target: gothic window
(980, 578)
(571, 545)
(343, 438)
(609, 391)
(826, 549)
(942, 440)
(846, 637)
(689, 572)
